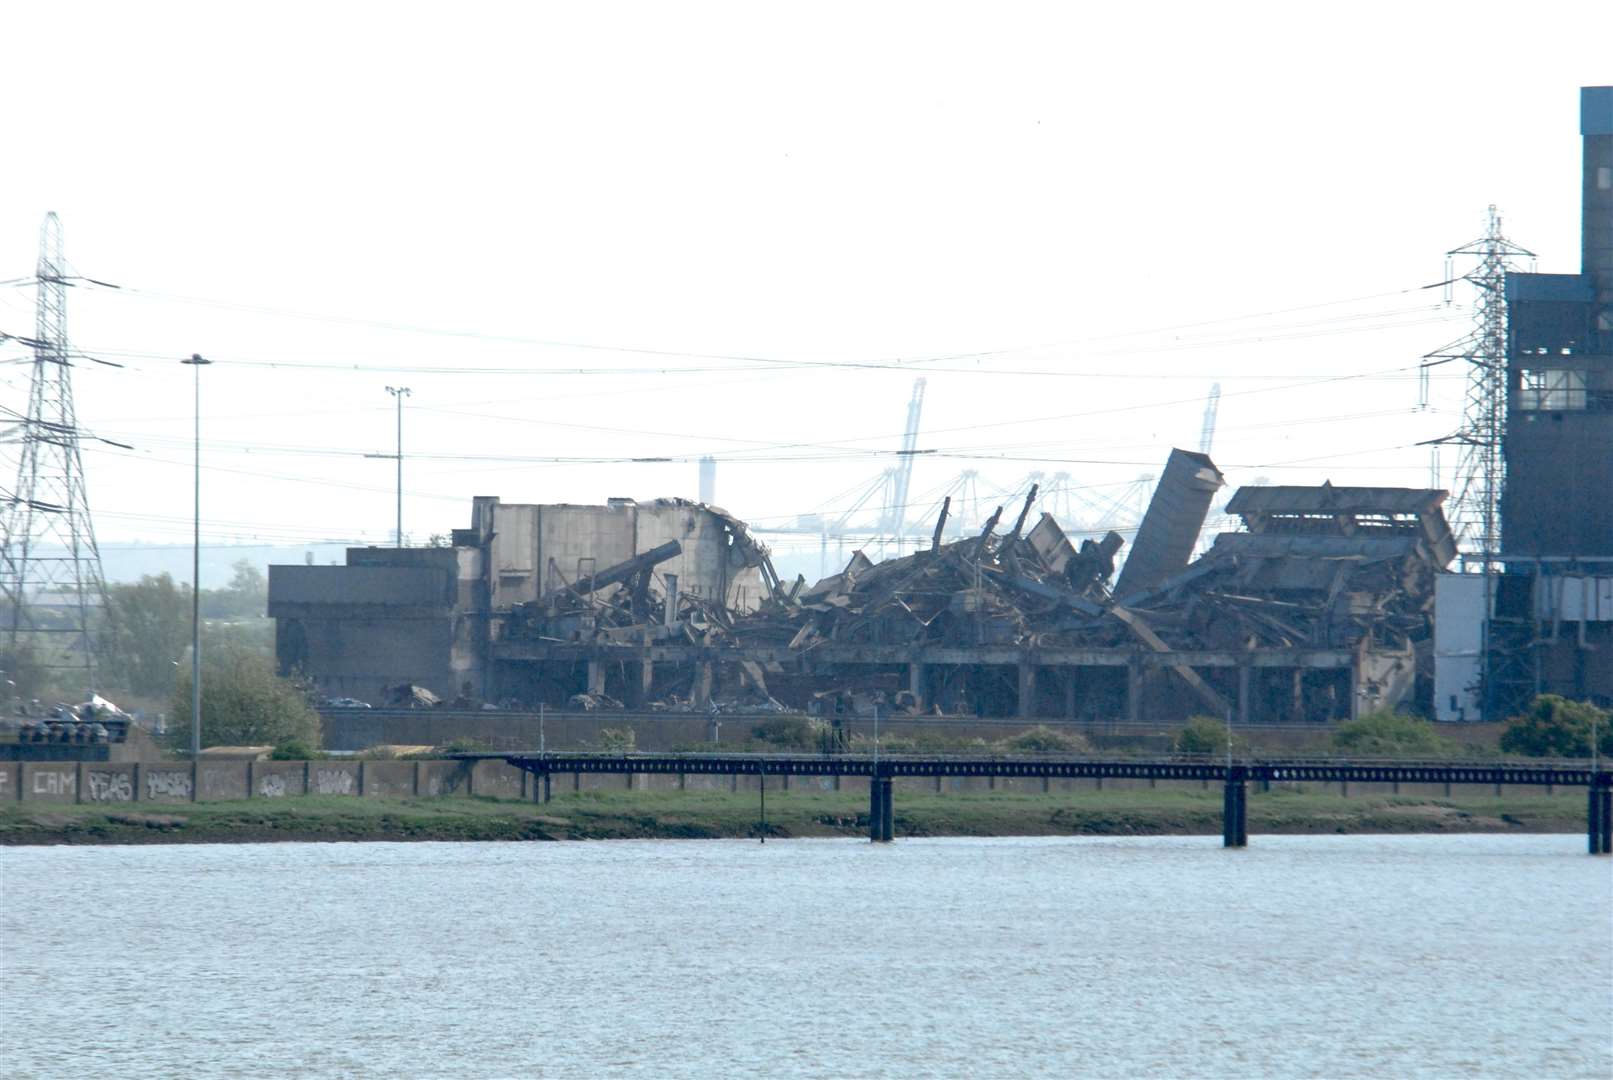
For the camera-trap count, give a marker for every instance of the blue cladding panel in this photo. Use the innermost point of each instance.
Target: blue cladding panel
(1596, 110)
(1564, 288)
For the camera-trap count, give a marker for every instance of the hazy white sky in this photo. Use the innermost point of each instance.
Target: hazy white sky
(611, 231)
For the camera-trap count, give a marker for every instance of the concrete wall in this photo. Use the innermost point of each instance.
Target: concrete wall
(356, 655)
(213, 781)
(352, 730)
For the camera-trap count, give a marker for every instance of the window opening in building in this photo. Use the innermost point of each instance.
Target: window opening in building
(1551, 389)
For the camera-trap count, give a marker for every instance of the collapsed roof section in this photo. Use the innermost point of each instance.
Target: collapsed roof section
(1318, 567)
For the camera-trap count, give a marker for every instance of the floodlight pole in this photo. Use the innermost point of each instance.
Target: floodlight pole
(196, 362)
(400, 392)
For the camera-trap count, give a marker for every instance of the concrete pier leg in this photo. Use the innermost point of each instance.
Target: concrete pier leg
(548, 791)
(1243, 814)
(1027, 691)
(876, 810)
(887, 811)
(918, 685)
(1607, 820)
(1234, 807)
(1593, 820)
(1599, 820)
(701, 691)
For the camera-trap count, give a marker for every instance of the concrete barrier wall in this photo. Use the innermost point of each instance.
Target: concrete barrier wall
(354, 730)
(211, 781)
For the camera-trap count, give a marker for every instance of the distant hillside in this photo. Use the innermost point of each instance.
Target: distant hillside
(130, 562)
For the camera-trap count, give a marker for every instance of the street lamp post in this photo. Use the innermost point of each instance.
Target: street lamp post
(196, 361)
(400, 392)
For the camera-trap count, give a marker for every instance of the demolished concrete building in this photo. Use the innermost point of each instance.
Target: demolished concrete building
(1320, 610)
(429, 615)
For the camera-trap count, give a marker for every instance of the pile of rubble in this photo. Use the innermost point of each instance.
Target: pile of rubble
(1316, 568)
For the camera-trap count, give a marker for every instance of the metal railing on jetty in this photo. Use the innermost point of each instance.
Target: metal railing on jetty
(1234, 773)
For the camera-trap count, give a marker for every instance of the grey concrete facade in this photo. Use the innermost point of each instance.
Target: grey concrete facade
(429, 616)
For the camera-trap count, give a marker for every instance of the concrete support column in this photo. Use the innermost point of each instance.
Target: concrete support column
(1297, 710)
(918, 685)
(641, 675)
(701, 690)
(596, 677)
(1027, 690)
(1245, 672)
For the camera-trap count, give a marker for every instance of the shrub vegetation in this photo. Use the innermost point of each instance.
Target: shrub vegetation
(1391, 734)
(1042, 739)
(1202, 735)
(244, 703)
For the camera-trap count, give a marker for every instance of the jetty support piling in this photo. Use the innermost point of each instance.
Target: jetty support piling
(1599, 819)
(1593, 820)
(881, 809)
(1234, 810)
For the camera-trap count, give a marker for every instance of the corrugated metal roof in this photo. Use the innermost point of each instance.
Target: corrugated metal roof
(1268, 546)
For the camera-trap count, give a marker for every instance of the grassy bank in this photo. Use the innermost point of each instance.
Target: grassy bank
(704, 814)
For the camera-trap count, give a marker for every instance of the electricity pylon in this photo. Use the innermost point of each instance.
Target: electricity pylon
(50, 567)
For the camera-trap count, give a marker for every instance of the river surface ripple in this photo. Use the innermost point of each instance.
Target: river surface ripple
(1402, 956)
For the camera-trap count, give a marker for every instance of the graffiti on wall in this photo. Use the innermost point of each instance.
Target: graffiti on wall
(272, 786)
(333, 782)
(109, 787)
(55, 783)
(168, 784)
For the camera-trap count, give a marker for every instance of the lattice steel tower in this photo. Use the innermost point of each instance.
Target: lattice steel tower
(50, 567)
(1475, 513)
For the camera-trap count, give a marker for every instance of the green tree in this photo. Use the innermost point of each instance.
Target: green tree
(245, 597)
(24, 671)
(244, 703)
(147, 631)
(1390, 734)
(1557, 727)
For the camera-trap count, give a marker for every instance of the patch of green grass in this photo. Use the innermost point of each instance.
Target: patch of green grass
(705, 813)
